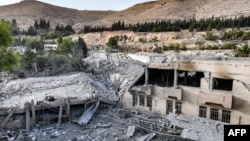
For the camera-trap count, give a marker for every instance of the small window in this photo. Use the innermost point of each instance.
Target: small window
(169, 106)
(226, 116)
(149, 101)
(214, 114)
(223, 84)
(203, 112)
(178, 107)
(135, 99)
(142, 100)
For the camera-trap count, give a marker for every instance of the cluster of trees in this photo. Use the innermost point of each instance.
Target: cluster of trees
(32, 30)
(67, 57)
(43, 24)
(163, 26)
(60, 31)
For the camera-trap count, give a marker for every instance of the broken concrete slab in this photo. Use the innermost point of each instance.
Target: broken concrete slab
(190, 134)
(103, 125)
(88, 114)
(147, 137)
(131, 131)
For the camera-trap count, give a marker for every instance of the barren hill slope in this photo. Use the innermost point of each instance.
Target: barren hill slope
(180, 9)
(26, 12)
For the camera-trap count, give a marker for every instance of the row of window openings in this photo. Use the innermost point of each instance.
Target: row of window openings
(178, 104)
(186, 78)
(142, 100)
(214, 114)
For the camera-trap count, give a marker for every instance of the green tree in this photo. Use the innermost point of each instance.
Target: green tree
(28, 59)
(8, 59)
(36, 25)
(113, 42)
(82, 46)
(66, 46)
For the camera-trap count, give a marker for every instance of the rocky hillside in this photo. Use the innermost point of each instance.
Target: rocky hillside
(27, 11)
(182, 9)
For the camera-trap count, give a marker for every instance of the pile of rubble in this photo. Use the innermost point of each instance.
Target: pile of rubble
(200, 129)
(104, 81)
(110, 124)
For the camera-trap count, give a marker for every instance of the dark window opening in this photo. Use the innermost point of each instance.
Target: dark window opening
(141, 100)
(214, 114)
(187, 78)
(163, 78)
(169, 106)
(141, 81)
(203, 112)
(223, 84)
(135, 99)
(178, 107)
(226, 116)
(149, 101)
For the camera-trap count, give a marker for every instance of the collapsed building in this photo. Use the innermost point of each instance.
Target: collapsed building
(207, 87)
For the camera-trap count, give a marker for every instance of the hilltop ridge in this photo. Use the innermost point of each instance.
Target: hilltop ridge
(27, 11)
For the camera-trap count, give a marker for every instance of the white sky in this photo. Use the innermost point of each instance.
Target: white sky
(87, 4)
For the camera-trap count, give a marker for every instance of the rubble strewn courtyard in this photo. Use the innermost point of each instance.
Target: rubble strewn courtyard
(111, 122)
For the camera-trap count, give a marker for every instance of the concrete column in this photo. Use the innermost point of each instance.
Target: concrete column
(33, 110)
(210, 82)
(27, 120)
(146, 75)
(60, 115)
(68, 107)
(175, 78)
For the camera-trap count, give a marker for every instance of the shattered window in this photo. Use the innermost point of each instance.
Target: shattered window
(189, 78)
(226, 116)
(135, 97)
(223, 84)
(149, 101)
(214, 114)
(178, 107)
(203, 112)
(169, 106)
(142, 100)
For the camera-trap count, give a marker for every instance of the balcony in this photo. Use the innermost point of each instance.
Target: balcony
(168, 92)
(223, 99)
(142, 89)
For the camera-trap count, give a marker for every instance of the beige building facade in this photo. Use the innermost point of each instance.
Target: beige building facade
(217, 89)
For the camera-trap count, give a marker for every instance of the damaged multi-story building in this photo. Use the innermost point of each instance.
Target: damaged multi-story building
(214, 88)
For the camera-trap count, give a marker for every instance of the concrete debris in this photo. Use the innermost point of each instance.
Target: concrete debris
(147, 137)
(190, 134)
(99, 125)
(88, 114)
(130, 132)
(199, 129)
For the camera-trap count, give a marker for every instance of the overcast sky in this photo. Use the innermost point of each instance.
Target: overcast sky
(87, 4)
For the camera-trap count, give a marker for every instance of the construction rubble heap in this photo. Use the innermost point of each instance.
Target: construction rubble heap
(107, 77)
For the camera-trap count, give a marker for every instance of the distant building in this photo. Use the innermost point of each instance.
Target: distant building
(49, 47)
